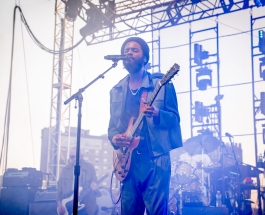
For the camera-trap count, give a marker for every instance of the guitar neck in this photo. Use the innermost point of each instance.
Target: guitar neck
(85, 192)
(102, 178)
(141, 115)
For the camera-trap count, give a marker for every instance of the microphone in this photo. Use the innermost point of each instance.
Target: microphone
(106, 208)
(228, 135)
(116, 57)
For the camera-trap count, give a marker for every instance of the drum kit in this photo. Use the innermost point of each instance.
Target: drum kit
(105, 203)
(195, 182)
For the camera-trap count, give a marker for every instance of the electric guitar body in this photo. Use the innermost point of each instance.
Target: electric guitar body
(122, 156)
(67, 202)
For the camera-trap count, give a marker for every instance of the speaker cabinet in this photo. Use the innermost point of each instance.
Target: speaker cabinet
(205, 211)
(15, 200)
(43, 208)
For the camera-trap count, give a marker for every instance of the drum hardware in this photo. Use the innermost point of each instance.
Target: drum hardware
(104, 202)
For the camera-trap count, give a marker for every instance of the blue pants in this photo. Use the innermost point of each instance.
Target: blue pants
(147, 185)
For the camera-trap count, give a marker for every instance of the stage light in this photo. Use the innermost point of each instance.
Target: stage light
(94, 22)
(199, 54)
(262, 103)
(203, 78)
(261, 41)
(96, 19)
(72, 9)
(262, 70)
(200, 112)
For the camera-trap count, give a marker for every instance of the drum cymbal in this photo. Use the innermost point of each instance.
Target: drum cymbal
(194, 145)
(209, 143)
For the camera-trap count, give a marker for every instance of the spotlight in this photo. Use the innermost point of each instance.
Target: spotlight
(262, 103)
(200, 112)
(72, 9)
(96, 19)
(199, 54)
(261, 41)
(94, 22)
(203, 78)
(262, 68)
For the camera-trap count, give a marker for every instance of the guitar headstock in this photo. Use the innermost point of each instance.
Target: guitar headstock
(170, 74)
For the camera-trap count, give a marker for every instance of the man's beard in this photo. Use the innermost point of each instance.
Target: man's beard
(133, 66)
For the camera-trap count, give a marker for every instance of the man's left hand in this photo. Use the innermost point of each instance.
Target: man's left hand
(94, 186)
(149, 111)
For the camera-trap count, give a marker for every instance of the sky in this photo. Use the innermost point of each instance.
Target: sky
(32, 77)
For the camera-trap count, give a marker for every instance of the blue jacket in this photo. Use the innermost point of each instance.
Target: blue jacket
(164, 134)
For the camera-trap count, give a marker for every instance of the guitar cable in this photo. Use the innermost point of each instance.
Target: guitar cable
(111, 194)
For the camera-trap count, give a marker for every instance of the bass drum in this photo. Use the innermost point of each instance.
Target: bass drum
(184, 173)
(104, 202)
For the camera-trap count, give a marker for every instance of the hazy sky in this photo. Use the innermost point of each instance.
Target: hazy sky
(32, 73)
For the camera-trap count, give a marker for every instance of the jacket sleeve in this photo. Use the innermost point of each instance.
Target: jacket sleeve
(59, 189)
(112, 129)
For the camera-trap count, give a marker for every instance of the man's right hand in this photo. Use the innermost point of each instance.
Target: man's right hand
(120, 140)
(60, 208)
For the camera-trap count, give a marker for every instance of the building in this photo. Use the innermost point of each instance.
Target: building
(96, 150)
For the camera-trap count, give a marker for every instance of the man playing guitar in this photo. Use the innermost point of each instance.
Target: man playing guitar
(87, 181)
(146, 182)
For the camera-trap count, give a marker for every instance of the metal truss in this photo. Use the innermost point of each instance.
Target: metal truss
(61, 90)
(134, 17)
(258, 118)
(213, 121)
(255, 55)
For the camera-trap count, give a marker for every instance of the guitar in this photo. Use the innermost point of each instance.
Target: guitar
(67, 203)
(122, 156)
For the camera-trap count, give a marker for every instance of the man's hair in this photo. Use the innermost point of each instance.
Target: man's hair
(74, 149)
(141, 42)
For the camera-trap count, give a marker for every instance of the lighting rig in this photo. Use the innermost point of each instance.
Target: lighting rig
(261, 35)
(207, 115)
(95, 16)
(204, 74)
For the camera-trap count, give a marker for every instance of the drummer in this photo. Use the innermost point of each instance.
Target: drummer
(198, 162)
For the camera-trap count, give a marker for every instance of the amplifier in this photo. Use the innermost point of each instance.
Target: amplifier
(205, 211)
(27, 177)
(45, 196)
(43, 208)
(15, 200)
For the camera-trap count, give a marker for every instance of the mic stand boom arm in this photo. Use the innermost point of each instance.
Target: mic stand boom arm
(78, 96)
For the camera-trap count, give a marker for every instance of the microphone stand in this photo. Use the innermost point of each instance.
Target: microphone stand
(238, 177)
(78, 96)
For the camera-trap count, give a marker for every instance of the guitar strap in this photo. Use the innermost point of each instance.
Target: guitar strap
(143, 98)
(142, 104)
